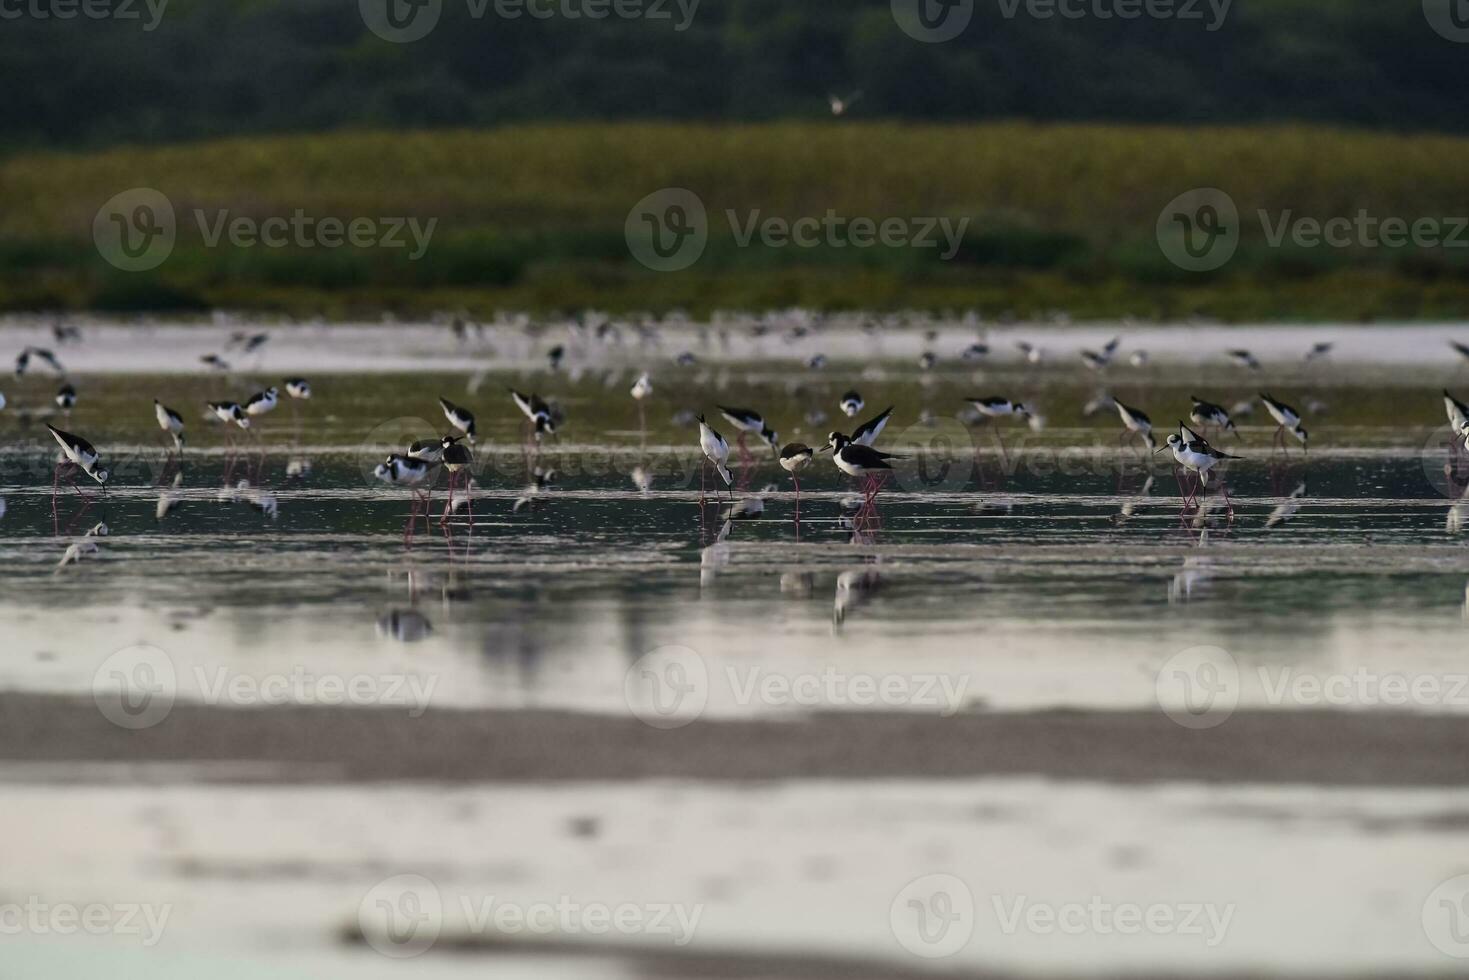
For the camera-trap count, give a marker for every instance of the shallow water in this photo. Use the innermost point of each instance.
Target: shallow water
(1019, 570)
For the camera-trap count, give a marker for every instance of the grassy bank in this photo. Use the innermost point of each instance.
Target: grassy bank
(1059, 218)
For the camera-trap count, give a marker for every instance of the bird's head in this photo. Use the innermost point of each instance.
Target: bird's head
(771, 437)
(1022, 410)
(836, 442)
(101, 474)
(1174, 441)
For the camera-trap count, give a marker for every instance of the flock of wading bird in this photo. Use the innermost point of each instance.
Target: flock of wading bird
(854, 454)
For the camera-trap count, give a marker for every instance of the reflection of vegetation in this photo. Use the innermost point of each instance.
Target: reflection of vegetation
(1062, 217)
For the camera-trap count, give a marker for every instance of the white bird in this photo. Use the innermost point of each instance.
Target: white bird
(839, 105)
(1288, 418)
(171, 422)
(643, 388)
(262, 402)
(716, 450)
(852, 403)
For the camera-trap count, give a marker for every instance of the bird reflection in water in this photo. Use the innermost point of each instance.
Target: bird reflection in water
(1287, 508)
(404, 626)
(855, 588)
(1131, 504)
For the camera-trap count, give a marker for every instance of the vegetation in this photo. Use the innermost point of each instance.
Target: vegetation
(1060, 217)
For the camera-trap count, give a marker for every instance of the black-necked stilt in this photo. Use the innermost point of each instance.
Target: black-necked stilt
(461, 419)
(793, 459)
(457, 459)
(65, 333)
(66, 398)
(1318, 351)
(430, 451)
(995, 408)
(537, 413)
(976, 352)
(1289, 420)
(262, 402)
(716, 451)
(868, 432)
(412, 473)
(81, 454)
(1200, 457)
(1457, 411)
(1030, 352)
(863, 462)
(22, 363)
(230, 412)
(686, 359)
(642, 390)
(749, 422)
(298, 388)
(1205, 413)
(1097, 360)
(1138, 358)
(1244, 359)
(170, 422)
(1137, 423)
(816, 362)
(214, 361)
(852, 403)
(927, 360)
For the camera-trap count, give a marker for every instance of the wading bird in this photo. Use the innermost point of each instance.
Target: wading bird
(1289, 421)
(716, 451)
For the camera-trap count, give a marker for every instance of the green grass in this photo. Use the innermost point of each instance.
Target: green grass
(1061, 218)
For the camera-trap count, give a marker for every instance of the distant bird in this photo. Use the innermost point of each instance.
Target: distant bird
(749, 422)
(1244, 359)
(975, 352)
(298, 388)
(170, 422)
(868, 432)
(840, 104)
(215, 361)
(255, 342)
(262, 402)
(1461, 348)
(537, 413)
(793, 459)
(716, 451)
(461, 419)
(81, 454)
(555, 356)
(1138, 358)
(65, 334)
(816, 362)
(1288, 418)
(686, 359)
(1033, 354)
(642, 388)
(1097, 360)
(1204, 414)
(1137, 423)
(1316, 353)
(852, 403)
(228, 412)
(66, 398)
(996, 407)
(22, 362)
(927, 361)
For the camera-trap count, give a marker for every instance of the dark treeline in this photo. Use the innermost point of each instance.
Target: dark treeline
(214, 67)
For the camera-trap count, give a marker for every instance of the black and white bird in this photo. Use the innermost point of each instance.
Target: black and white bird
(999, 408)
(868, 432)
(537, 413)
(461, 419)
(1097, 360)
(262, 402)
(750, 422)
(429, 451)
(413, 473)
(1457, 411)
(215, 361)
(793, 459)
(1463, 349)
(555, 356)
(1318, 351)
(716, 451)
(857, 460)
(1288, 418)
(228, 412)
(457, 460)
(927, 360)
(66, 398)
(642, 389)
(81, 454)
(852, 403)
(1137, 423)
(1031, 353)
(298, 388)
(1244, 359)
(23, 362)
(1205, 413)
(975, 352)
(1196, 455)
(170, 422)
